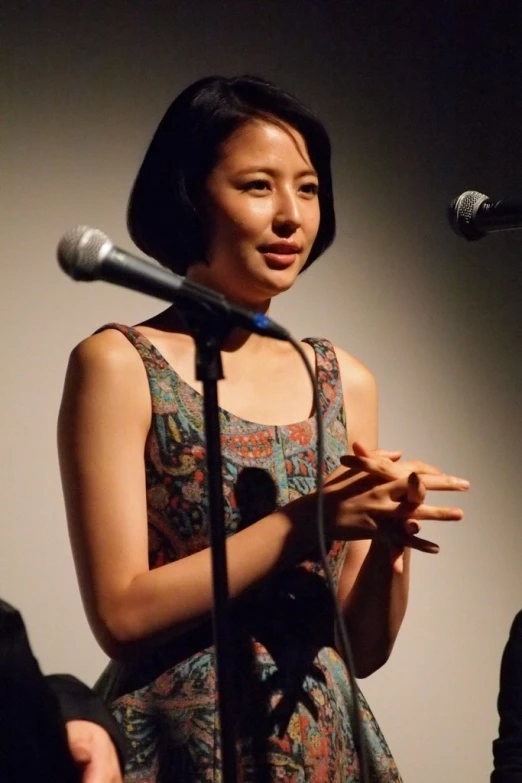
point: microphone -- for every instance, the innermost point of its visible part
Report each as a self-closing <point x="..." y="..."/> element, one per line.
<point x="86" y="253"/>
<point x="473" y="215"/>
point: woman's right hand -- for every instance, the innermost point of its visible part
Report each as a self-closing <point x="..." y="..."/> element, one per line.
<point x="364" y="505"/>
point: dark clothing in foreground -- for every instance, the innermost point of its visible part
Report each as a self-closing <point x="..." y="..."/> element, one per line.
<point x="507" y="749"/>
<point x="34" y="710"/>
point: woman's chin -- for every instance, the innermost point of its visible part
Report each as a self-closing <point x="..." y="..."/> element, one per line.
<point x="253" y="289"/>
<point x="269" y="288"/>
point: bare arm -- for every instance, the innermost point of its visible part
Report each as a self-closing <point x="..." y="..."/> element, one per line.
<point x="103" y="424"/>
<point x="374" y="582"/>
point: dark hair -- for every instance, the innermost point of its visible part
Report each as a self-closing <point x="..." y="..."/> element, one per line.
<point x="163" y="214"/>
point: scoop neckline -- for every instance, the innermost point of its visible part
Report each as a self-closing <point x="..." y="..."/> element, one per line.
<point x="198" y="395"/>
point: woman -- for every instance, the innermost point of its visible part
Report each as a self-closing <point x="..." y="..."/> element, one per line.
<point x="235" y="192"/>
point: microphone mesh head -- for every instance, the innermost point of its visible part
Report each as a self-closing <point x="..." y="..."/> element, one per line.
<point x="462" y="213"/>
<point x="81" y="252"/>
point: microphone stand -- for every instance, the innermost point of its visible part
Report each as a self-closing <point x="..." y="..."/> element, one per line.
<point x="209" y="328"/>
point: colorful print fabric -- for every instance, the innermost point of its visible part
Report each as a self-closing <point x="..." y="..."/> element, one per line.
<point x="292" y="690"/>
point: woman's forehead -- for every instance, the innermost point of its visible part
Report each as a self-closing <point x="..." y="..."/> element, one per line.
<point x="260" y="140"/>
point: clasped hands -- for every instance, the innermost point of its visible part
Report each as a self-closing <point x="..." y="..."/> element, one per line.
<point x="374" y="495"/>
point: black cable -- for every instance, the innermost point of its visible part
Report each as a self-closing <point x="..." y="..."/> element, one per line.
<point x="346" y="649"/>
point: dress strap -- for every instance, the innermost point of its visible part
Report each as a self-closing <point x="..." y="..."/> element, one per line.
<point x="328" y="376"/>
<point x="149" y="354"/>
<point x="164" y="382"/>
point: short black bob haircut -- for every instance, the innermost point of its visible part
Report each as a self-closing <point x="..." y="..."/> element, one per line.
<point x="163" y="216"/>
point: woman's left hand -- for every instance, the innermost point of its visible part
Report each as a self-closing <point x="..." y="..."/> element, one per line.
<point x="382" y="465"/>
<point x="385" y="464"/>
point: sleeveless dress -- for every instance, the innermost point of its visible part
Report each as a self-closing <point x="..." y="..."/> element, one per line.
<point x="292" y="690"/>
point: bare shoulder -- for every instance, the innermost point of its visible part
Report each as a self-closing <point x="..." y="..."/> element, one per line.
<point x="107" y="362"/>
<point x="107" y="350"/>
<point x="360" y="399"/>
<point x="105" y="373"/>
<point x="355" y="376"/>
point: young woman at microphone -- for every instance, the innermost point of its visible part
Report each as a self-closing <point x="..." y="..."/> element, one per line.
<point x="235" y="192"/>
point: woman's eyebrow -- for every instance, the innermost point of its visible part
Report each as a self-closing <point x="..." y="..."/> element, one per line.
<point x="273" y="172"/>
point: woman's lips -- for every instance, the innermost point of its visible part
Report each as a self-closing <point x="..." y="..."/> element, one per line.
<point x="281" y="256"/>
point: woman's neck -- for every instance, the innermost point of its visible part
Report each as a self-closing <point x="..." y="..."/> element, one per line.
<point x="179" y="319"/>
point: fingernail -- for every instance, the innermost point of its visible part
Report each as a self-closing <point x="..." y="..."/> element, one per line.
<point x="459" y="483"/>
<point x="412" y="528"/>
<point x="413" y="479"/>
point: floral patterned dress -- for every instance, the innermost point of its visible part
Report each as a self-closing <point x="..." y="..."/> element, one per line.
<point x="292" y="690"/>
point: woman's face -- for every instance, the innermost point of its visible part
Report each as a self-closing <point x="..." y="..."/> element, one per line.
<point x="262" y="210"/>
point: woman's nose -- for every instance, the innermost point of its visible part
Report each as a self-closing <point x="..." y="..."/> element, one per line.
<point x="287" y="214"/>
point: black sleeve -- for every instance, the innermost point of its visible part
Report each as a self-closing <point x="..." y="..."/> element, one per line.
<point x="34" y="709"/>
<point x="78" y="702"/>
<point x="33" y="740"/>
<point x="507" y="749"/>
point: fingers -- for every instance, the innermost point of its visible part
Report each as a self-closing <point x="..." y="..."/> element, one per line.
<point x="416" y="490"/>
<point x="102" y="774"/>
<point x="392" y="533"/>
<point x="402" y="489"/>
<point x="409" y="500"/>
<point x="411" y="527"/>
<point x="80" y="753"/>
<point x="378" y="463"/>
<point x="421" y="544"/>
<point x="444" y="482"/>
<point x="93" y="751"/>
<point x="404" y="498"/>
<point x="436" y="513"/>
<point x="360" y="451"/>
<point x="382" y="467"/>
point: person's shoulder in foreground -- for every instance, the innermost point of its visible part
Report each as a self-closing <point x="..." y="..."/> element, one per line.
<point x="507" y="749"/>
<point x="53" y="723"/>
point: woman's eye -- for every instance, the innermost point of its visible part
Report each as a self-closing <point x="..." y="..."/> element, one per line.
<point x="311" y="188"/>
<point x="257" y="184"/>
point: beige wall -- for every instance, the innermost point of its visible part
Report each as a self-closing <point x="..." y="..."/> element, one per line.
<point x="415" y="118"/>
